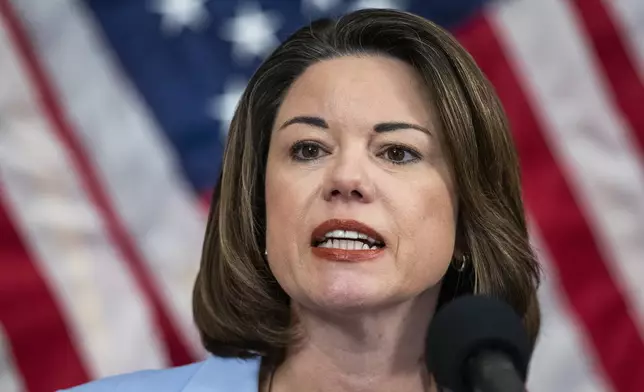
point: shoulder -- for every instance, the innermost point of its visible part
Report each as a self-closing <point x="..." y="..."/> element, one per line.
<point x="213" y="375"/>
<point x="173" y="379"/>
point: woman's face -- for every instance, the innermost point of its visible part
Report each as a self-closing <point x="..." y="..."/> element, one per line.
<point x="356" y="156"/>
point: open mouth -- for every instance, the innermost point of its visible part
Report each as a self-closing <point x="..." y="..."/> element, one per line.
<point x="346" y="235"/>
<point x="348" y="240"/>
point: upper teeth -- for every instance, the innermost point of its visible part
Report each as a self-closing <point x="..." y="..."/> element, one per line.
<point x="349" y="234"/>
<point x="343" y="239"/>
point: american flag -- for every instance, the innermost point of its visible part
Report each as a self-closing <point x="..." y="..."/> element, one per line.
<point x="113" y="118"/>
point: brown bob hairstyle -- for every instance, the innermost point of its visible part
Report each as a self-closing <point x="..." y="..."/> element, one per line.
<point x="239" y="308"/>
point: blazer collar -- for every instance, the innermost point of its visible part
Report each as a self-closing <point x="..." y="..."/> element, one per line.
<point x="225" y="375"/>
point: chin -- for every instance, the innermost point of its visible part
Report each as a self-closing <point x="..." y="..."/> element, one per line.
<point x="348" y="296"/>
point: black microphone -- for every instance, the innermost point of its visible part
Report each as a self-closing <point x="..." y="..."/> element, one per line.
<point x="478" y="344"/>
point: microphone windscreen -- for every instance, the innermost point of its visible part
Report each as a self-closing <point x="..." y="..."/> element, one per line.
<point x="467" y="325"/>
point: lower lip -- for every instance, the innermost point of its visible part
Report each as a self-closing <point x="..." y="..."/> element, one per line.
<point x="347" y="255"/>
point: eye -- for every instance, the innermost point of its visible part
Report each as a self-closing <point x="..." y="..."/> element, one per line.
<point x="400" y="155"/>
<point x="307" y="151"/>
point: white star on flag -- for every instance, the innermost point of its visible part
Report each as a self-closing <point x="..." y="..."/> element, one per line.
<point x="319" y="6"/>
<point x="252" y="32"/>
<point x="222" y="107"/>
<point x="177" y="15"/>
<point x="392" y="4"/>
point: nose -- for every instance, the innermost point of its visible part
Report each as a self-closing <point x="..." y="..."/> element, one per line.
<point x="348" y="180"/>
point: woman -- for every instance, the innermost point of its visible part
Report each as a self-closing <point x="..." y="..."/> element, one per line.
<point x="368" y="179"/>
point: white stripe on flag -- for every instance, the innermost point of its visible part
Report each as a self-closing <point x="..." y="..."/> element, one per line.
<point x="130" y="155"/>
<point x="591" y="142"/>
<point x="103" y="306"/>
<point x="629" y="18"/>
<point x="561" y="360"/>
<point x="10" y="380"/>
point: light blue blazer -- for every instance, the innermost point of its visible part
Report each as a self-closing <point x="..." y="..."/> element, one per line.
<point x="211" y="375"/>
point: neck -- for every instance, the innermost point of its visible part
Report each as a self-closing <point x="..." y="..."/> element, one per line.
<point x="379" y="350"/>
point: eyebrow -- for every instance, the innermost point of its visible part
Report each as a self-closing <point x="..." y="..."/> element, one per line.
<point x="378" y="128"/>
<point x="395" y="126"/>
<point x="308" y="120"/>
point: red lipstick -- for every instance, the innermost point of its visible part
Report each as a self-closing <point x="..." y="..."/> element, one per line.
<point x="334" y="254"/>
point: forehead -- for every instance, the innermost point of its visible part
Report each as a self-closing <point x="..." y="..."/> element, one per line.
<point x="371" y="88"/>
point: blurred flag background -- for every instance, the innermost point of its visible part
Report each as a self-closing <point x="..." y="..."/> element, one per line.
<point x="113" y="118"/>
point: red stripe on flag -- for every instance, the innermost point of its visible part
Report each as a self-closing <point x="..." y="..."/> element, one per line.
<point x="626" y="87"/>
<point x="177" y="351"/>
<point x="42" y="348"/>
<point x="205" y="201"/>
<point x="593" y="295"/>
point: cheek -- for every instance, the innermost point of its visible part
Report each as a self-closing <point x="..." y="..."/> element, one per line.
<point x="427" y="225"/>
<point x="286" y="204"/>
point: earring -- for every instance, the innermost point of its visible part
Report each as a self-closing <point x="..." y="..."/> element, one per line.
<point x="460" y="268"/>
<point x="265" y="252"/>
